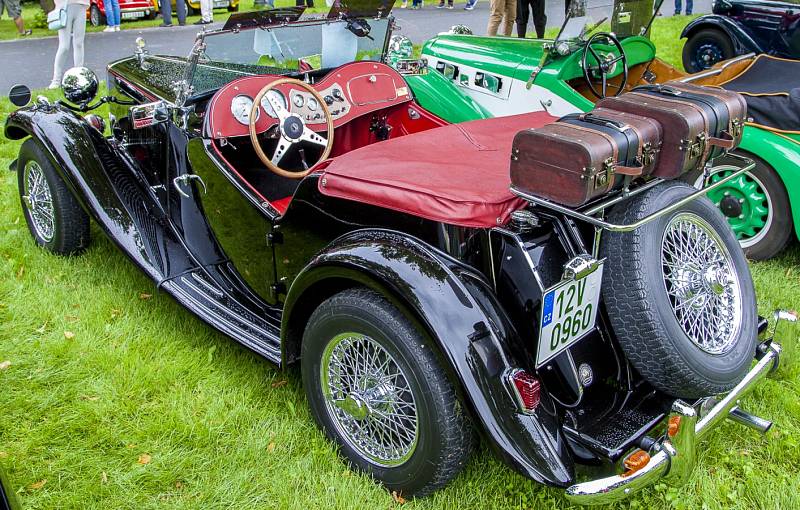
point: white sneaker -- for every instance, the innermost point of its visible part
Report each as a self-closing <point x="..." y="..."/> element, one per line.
<point x="55" y="84"/>
<point x="116" y="28"/>
<point x="108" y="29"/>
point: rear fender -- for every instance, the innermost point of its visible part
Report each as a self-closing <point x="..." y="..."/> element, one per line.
<point x="742" y="42"/>
<point x="783" y="155"/>
<point x="466" y="324"/>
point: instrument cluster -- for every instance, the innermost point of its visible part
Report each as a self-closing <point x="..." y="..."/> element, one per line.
<point x="300" y="102"/>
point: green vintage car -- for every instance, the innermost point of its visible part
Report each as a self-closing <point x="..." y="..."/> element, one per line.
<point x="497" y="76"/>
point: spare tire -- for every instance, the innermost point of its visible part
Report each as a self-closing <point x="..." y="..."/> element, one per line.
<point x="679" y="294"/>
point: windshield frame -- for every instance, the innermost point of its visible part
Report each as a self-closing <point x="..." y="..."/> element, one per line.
<point x="184" y="89"/>
<point x="574" y="10"/>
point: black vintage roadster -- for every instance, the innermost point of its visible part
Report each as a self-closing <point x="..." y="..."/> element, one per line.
<point x="282" y="184"/>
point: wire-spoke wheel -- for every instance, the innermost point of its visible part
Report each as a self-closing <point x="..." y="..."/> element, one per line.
<point x="55" y="219"/>
<point x="376" y="388"/>
<point x="701" y="283"/>
<point x="679" y="294"/>
<point x="370" y="399"/>
<point x="36" y="196"/>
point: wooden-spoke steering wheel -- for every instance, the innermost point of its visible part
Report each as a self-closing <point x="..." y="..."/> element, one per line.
<point x="604" y="66"/>
<point x="291" y="128"/>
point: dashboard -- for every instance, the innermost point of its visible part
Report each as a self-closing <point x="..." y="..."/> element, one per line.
<point x="349" y="92"/>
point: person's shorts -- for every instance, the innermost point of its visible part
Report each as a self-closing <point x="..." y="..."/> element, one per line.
<point x="11" y="7"/>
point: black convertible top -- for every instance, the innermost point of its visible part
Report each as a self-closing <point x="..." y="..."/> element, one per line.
<point x="771" y="87"/>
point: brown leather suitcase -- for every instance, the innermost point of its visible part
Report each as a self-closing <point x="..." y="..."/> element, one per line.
<point x="570" y="163"/>
<point x="685" y="126"/>
<point x="647" y="130"/>
<point x="734" y="102"/>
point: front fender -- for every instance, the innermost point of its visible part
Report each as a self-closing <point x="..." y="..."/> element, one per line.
<point x="466" y="324"/>
<point x="101" y="182"/>
<point x="742" y="42"/>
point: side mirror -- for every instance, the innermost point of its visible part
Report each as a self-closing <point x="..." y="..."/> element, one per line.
<point x="79" y="85"/>
<point x="19" y="95"/>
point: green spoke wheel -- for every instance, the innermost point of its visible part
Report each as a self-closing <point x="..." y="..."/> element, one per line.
<point x="756" y="207"/>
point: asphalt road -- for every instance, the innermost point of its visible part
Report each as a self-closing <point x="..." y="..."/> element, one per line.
<point x="30" y="61"/>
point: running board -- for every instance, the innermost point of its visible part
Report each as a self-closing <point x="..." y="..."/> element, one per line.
<point x="218" y="308"/>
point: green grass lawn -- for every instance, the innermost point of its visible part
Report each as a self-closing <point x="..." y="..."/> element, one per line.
<point x="116" y="397"/>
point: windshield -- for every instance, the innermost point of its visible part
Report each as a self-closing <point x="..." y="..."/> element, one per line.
<point x="306" y="45"/>
<point x="622" y="17"/>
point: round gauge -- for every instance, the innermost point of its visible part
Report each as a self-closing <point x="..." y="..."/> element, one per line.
<point x="312" y="104"/>
<point x="275" y="95"/>
<point x="240" y="108"/>
<point x="298" y="100"/>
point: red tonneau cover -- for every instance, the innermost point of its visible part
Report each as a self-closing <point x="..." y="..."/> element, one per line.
<point x="456" y="174"/>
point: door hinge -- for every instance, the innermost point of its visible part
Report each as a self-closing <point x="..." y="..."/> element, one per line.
<point x="276" y="289"/>
<point x="274" y="238"/>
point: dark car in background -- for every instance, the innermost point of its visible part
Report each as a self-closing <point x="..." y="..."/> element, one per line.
<point x="738" y="27"/>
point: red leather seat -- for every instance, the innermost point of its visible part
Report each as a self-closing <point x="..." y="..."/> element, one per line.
<point x="457" y="174"/>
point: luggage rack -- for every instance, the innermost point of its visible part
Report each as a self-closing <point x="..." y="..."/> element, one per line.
<point x="592" y="213"/>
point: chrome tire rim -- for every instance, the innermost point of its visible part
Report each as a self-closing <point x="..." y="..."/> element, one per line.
<point x="39" y="201"/>
<point x="369" y="399"/>
<point x="701" y="283"/>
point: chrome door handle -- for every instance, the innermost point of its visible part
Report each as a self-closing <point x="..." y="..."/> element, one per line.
<point x="183" y="180"/>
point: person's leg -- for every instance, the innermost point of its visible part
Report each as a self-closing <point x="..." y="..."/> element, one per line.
<point x="61" y="56"/>
<point x="495" y="16"/>
<point x="539" y="17"/>
<point x="509" y="15"/>
<point x="76" y="20"/>
<point x="207" y="11"/>
<point x="117" y="13"/>
<point x="677" y="7"/>
<point x="567" y="5"/>
<point x="166" y="12"/>
<point x="522" y="18"/>
<point x="689" y="6"/>
<point x="181" y="8"/>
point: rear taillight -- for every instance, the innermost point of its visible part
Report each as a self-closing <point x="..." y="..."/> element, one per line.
<point x="526" y="388"/>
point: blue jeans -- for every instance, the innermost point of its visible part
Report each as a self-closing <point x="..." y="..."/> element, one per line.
<point x="166" y="11"/>
<point x="112" y="12"/>
<point x="689" y="6"/>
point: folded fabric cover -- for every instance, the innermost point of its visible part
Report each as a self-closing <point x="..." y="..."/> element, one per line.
<point x="456" y="174"/>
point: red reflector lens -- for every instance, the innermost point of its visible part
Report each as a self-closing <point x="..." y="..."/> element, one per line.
<point x="527" y="390"/>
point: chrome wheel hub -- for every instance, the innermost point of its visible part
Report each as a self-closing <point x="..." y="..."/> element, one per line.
<point x="369" y="399"/>
<point x="701" y="282"/>
<point x="39" y="201"/>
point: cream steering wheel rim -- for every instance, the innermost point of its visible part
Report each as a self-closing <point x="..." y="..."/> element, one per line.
<point x="284" y="140"/>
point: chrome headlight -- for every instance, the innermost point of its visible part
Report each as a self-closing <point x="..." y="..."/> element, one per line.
<point x="241" y="106"/>
<point x="562" y="48"/>
<point x="460" y="30"/>
<point x="400" y="46"/>
<point x="79" y="85"/>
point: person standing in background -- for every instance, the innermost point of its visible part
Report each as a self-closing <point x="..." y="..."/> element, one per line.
<point x="14" y="11"/>
<point x="308" y="3"/>
<point x="166" y="12"/>
<point x="526" y="7"/>
<point x="502" y="11"/>
<point x="567" y="4"/>
<point x="206" y="12"/>
<point x="74" y="30"/>
<point x="689" y="6"/>
<point x="112" y="15"/>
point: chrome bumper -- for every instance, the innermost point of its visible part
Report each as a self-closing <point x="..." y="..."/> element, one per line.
<point x="675" y="455"/>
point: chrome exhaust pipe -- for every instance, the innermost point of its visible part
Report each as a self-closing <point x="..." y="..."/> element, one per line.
<point x="749" y="420"/>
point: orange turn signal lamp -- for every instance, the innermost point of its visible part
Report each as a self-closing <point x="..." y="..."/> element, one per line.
<point x="635" y="461"/>
<point x="673" y="425"/>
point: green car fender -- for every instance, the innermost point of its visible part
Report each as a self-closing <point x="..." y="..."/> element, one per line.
<point x="441" y="97"/>
<point x="782" y="153"/>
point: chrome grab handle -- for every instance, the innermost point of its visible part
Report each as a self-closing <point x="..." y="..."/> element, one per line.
<point x="183" y="180"/>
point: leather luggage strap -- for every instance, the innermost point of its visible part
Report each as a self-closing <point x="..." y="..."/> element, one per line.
<point x="620" y="169"/>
